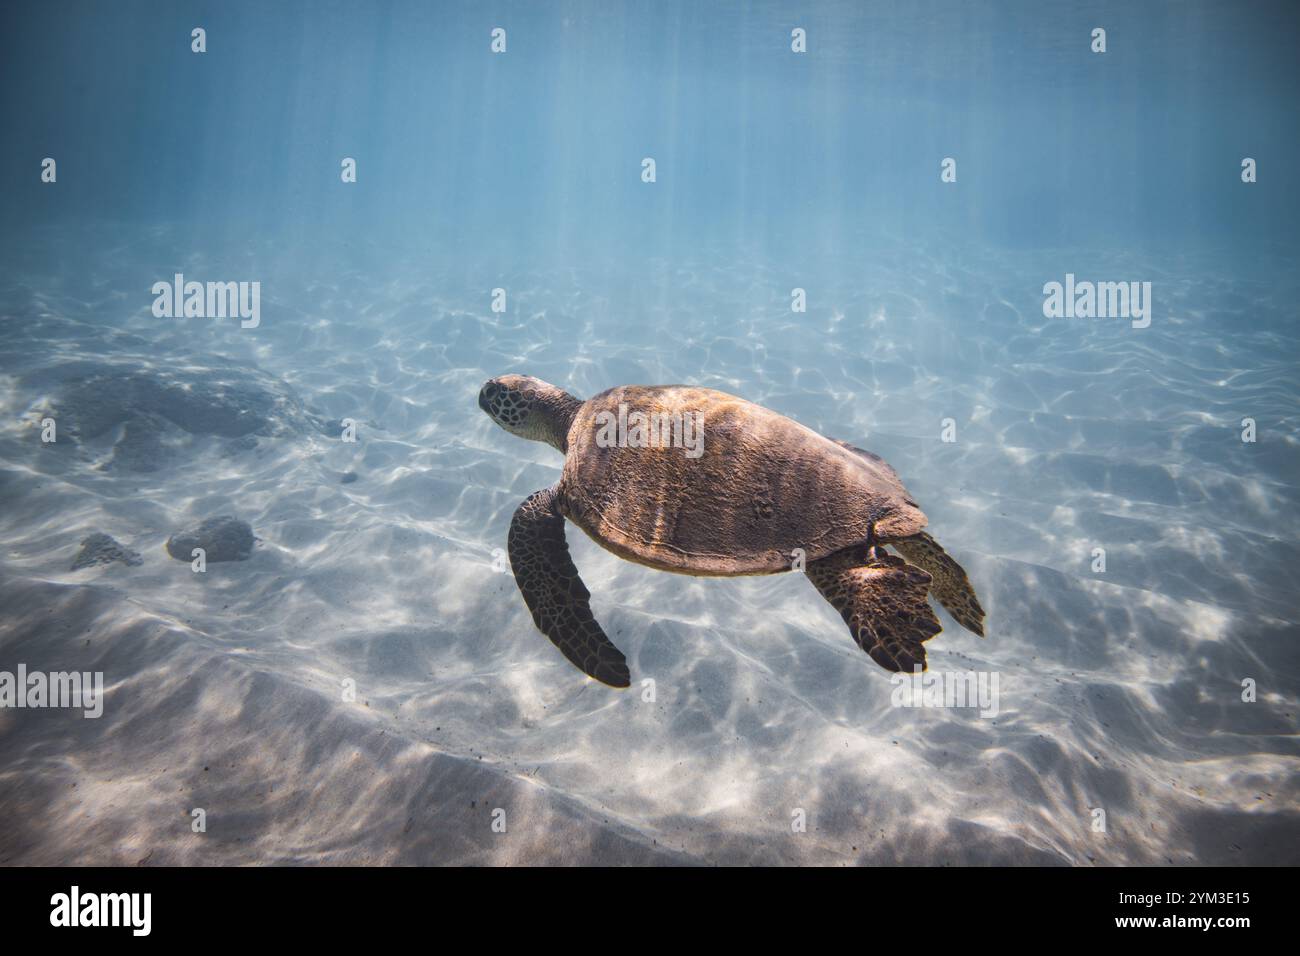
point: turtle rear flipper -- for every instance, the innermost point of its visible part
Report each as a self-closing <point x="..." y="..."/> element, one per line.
<point x="950" y="586"/>
<point x="556" y="596"/>
<point x="882" y="600"/>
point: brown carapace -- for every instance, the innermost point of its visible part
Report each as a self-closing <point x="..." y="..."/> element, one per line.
<point x="696" y="481"/>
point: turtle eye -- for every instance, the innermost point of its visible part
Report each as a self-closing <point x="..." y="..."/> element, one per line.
<point x="486" y="400"/>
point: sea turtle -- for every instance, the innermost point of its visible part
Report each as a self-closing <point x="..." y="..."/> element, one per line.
<point x="700" y="482"/>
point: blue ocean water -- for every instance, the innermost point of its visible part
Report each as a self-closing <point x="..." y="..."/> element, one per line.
<point x="518" y="179"/>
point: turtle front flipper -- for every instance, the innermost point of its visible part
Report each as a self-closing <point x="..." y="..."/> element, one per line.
<point x="950" y="586"/>
<point x="555" y="594"/>
<point x="882" y="600"/>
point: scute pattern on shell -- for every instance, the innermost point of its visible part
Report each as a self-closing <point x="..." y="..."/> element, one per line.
<point x="764" y="486"/>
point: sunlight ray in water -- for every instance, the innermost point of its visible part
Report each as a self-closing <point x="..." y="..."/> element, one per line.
<point x="349" y="667"/>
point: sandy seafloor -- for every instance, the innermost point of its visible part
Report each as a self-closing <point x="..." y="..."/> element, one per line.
<point x="1119" y="690"/>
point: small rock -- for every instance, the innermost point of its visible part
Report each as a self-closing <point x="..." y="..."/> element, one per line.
<point x="99" y="548"/>
<point x="223" y="538"/>
<point x="348" y="478"/>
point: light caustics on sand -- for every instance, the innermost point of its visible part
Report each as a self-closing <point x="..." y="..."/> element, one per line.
<point x="1118" y="689"/>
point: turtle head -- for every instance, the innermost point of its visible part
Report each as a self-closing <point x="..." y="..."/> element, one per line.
<point x="530" y="408"/>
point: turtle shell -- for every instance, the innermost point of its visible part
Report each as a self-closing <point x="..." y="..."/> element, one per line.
<point x="761" y="485"/>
